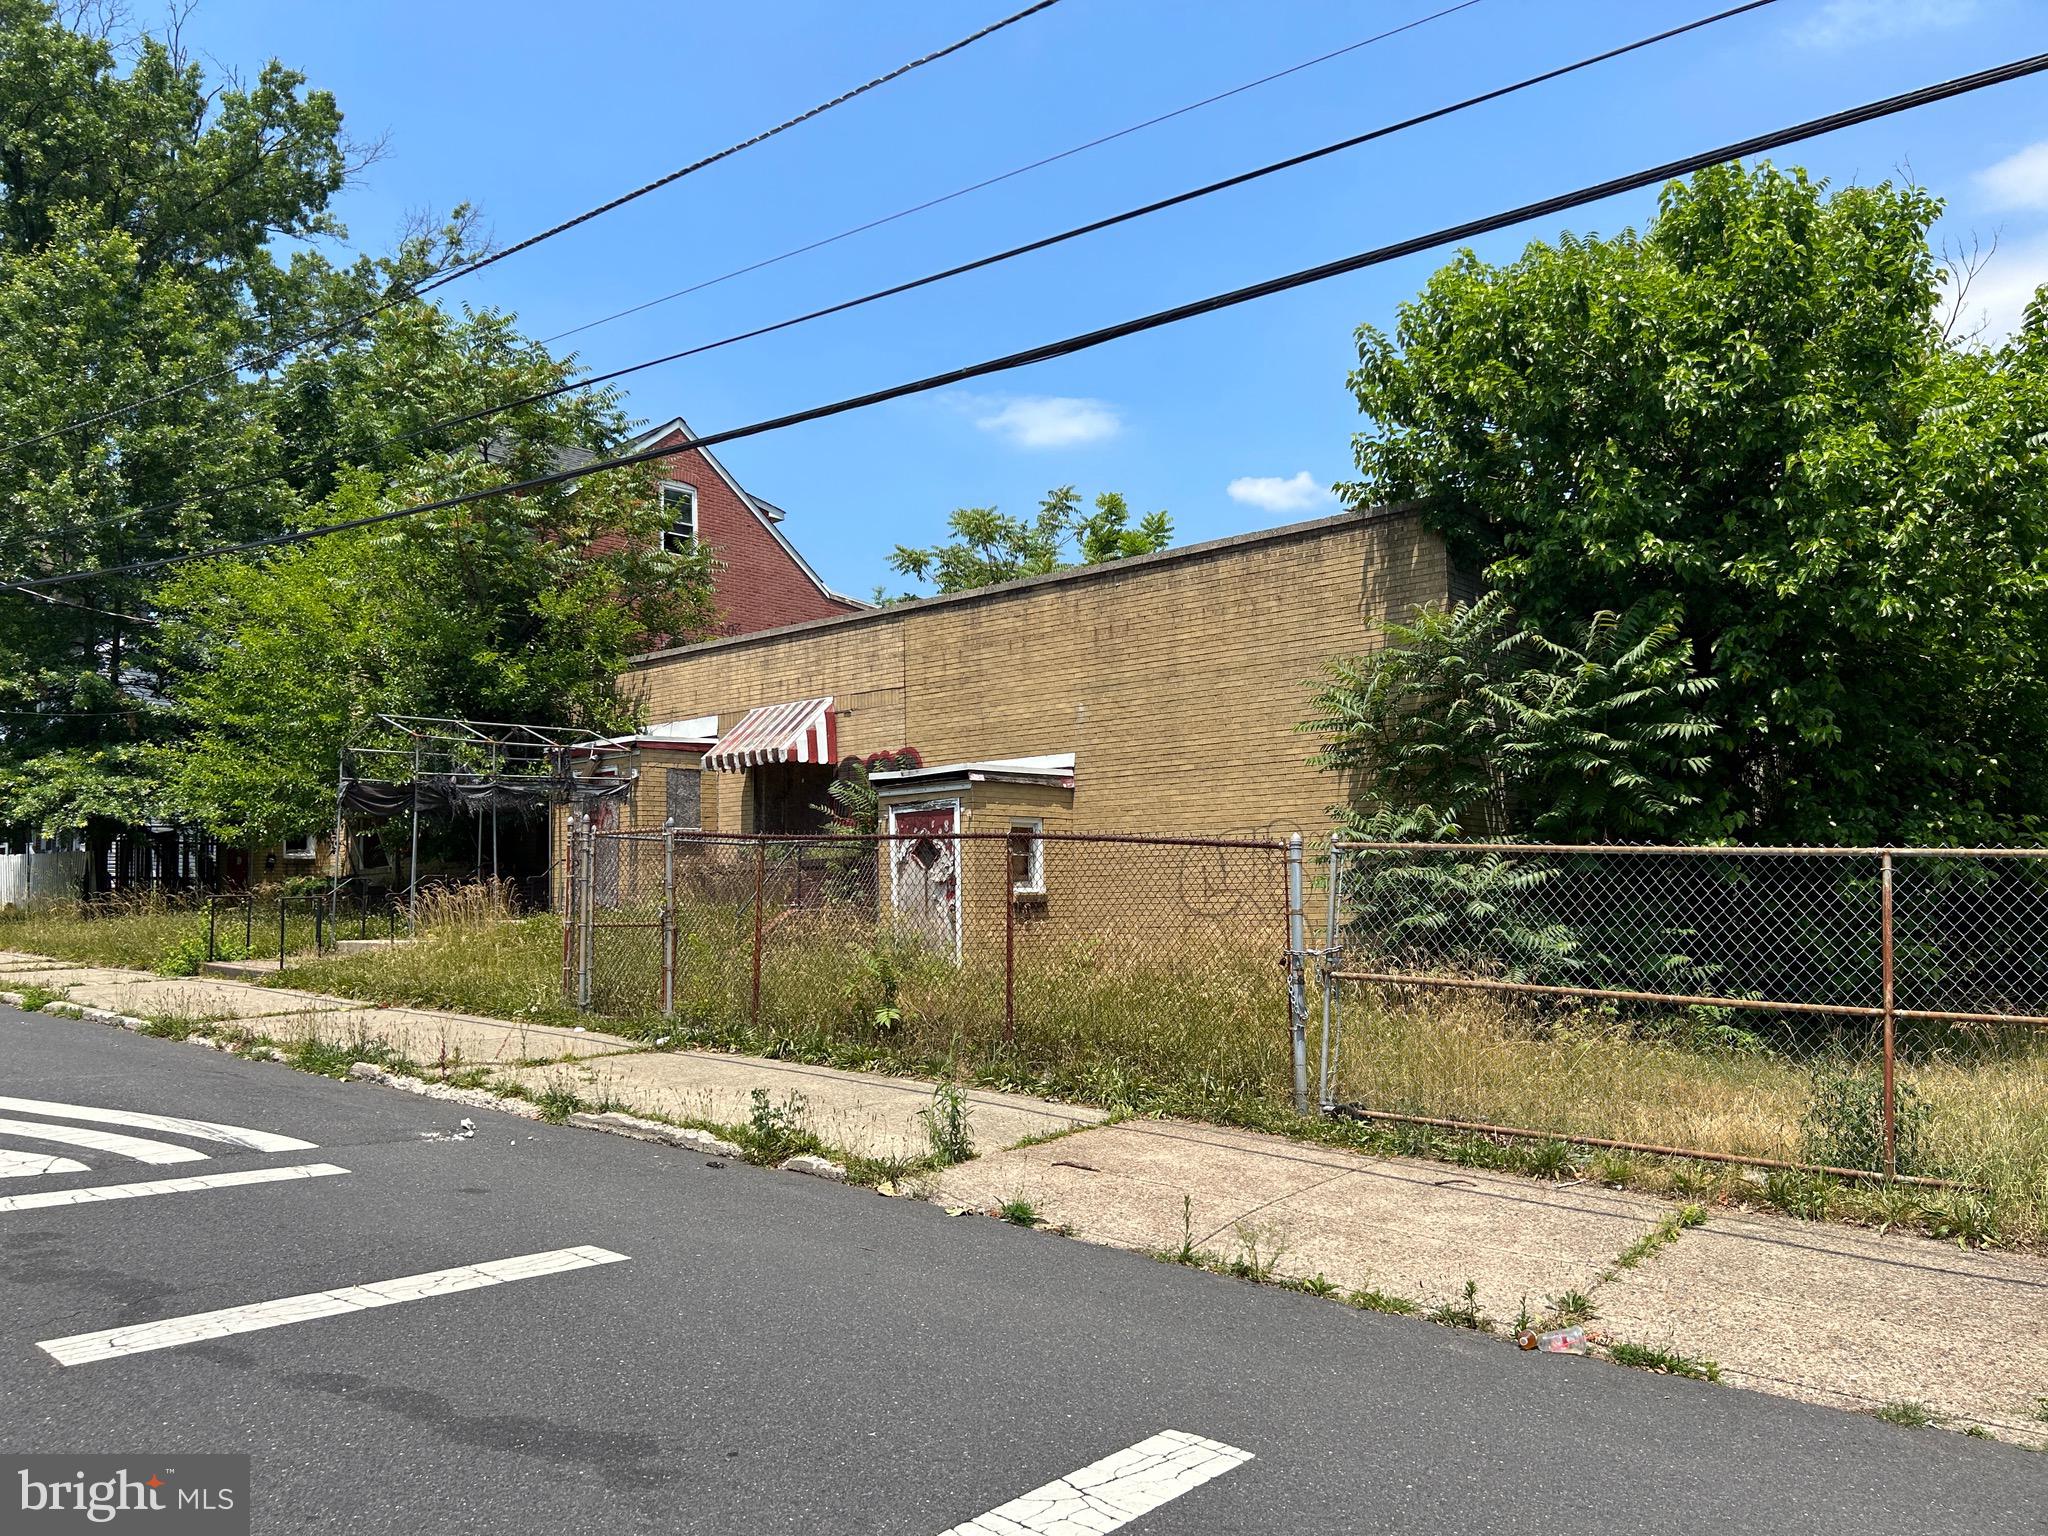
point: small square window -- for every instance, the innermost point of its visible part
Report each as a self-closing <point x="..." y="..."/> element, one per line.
<point x="305" y="846"/>
<point x="678" y="517"/>
<point x="1027" y="858"/>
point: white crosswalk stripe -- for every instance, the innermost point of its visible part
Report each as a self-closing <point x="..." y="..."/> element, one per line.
<point x="140" y="1148"/>
<point x="135" y="1339"/>
<point x="171" y="1125"/>
<point x="1112" y="1492"/>
<point x="91" y="1194"/>
<point x="23" y="1165"/>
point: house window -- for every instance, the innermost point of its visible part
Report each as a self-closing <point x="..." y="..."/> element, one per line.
<point x="304" y="846"/>
<point x="1027" y="858"/>
<point x="678" y="517"/>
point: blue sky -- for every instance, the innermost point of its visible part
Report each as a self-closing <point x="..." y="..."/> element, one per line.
<point x="533" y="111"/>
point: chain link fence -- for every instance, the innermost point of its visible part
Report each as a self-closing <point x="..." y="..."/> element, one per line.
<point x="1869" y="1011"/>
<point x="1096" y="962"/>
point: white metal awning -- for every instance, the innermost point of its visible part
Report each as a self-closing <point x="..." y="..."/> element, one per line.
<point x="802" y="731"/>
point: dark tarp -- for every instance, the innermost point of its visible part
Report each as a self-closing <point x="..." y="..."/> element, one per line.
<point x="471" y="794"/>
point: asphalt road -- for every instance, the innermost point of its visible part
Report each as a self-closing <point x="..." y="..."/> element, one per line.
<point x="778" y="1353"/>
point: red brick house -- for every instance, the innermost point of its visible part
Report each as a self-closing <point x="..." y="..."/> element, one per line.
<point x="763" y="582"/>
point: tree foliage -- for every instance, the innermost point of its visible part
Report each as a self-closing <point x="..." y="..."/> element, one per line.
<point x="519" y="608"/>
<point x="163" y="236"/>
<point x="989" y="546"/>
<point x="138" y="211"/>
<point x="1469" y="723"/>
<point x="1749" y="419"/>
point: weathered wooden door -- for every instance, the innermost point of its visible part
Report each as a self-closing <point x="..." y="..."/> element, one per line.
<point x="924" y="873"/>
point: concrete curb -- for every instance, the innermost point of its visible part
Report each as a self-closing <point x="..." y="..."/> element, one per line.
<point x="618" y="1123"/>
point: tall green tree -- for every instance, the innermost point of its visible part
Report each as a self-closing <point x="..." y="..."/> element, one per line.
<point x="1750" y="417"/>
<point x="989" y="546"/>
<point x="145" y="214"/>
<point x="514" y="608"/>
<point x="140" y="212"/>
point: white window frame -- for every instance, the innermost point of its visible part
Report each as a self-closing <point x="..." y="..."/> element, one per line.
<point x="1035" y="826"/>
<point x="303" y="846"/>
<point x="668" y="524"/>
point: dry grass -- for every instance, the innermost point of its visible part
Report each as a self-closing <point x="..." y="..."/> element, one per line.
<point x="1477" y="1058"/>
<point x="133" y="932"/>
<point x="1198" y="1034"/>
<point x="505" y="968"/>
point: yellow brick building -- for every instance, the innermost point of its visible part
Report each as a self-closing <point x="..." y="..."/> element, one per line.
<point x="1158" y="694"/>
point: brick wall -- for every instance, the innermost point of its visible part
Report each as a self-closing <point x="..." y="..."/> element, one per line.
<point x="759" y="585"/>
<point x="1177" y="679"/>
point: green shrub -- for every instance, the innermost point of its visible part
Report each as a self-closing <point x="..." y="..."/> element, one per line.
<point x="945" y="1124"/>
<point x="1844" y="1122"/>
<point x="778" y="1131"/>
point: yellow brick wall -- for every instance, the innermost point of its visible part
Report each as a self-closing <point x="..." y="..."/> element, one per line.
<point x="1177" y="681"/>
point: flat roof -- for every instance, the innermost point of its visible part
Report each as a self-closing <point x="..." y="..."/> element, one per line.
<point x="1006" y="589"/>
<point x="1049" y="766"/>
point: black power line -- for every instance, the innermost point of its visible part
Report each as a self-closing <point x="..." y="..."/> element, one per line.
<point x="1387" y="130"/>
<point x="405" y="294"/>
<point x="1562" y="202"/>
<point x="1021" y="170"/>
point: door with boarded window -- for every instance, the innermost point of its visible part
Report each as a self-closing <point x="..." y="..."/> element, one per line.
<point x="924" y="873"/>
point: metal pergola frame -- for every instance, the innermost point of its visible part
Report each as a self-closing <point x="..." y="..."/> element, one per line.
<point x="441" y="747"/>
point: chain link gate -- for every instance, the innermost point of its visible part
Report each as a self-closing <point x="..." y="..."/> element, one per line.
<point x="1847" y="1011"/>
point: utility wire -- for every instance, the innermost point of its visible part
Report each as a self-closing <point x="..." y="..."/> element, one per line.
<point x="1833" y="122"/>
<point x="105" y="613"/>
<point x="990" y="181"/>
<point x="1112" y="220"/>
<point x="405" y="294"/>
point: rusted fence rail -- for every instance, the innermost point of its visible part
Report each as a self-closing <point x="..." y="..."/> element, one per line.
<point x="1851" y="1010"/>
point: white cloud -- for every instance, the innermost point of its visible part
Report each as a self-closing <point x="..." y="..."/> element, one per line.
<point x="1046" y="421"/>
<point x="2002" y="290"/>
<point x="1272" y="493"/>
<point x="1844" y="23"/>
<point x="2019" y="180"/>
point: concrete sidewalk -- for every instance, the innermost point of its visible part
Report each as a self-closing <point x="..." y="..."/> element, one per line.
<point x="860" y="1113"/>
<point x="1832" y="1314"/>
<point x="1828" y="1313"/>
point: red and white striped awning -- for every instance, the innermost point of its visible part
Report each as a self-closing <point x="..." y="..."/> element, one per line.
<point x="805" y="731"/>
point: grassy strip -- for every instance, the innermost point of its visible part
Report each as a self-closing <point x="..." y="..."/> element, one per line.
<point x="1657" y="1239"/>
<point x="1202" y="1037"/>
<point x="1207" y="1042"/>
<point x="1663" y="1361"/>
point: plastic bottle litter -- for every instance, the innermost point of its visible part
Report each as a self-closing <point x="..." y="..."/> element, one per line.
<point x="1559" y="1341"/>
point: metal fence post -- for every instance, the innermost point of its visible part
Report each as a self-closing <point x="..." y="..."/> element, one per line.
<point x="284" y="908"/>
<point x="586" y="902"/>
<point x="569" y="912"/>
<point x="760" y="878"/>
<point x="1009" y="885"/>
<point x="249" y="928"/>
<point x="1333" y="873"/>
<point x="1891" y="1083"/>
<point x="1297" y="958"/>
<point x="668" y="920"/>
